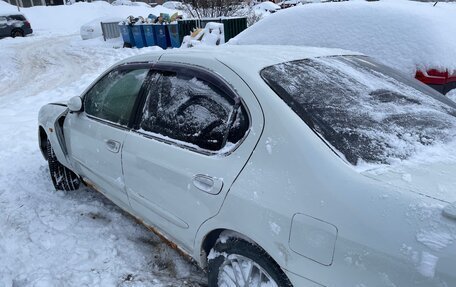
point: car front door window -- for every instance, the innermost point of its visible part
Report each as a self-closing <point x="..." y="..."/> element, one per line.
<point x="113" y="97"/>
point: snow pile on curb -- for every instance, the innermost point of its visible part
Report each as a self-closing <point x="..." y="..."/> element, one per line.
<point x="68" y="19"/>
<point x="385" y="30"/>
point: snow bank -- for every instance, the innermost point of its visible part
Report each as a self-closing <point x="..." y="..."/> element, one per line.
<point x="6" y="8"/>
<point x="403" y="34"/>
<point x="68" y="19"/>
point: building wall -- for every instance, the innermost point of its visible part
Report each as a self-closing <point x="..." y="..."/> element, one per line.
<point x="27" y="3"/>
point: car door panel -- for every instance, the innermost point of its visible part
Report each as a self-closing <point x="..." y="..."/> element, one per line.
<point x="91" y="155"/>
<point x="95" y="136"/>
<point x="175" y="187"/>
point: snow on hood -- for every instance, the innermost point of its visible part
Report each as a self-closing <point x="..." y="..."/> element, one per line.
<point x="402" y="34"/>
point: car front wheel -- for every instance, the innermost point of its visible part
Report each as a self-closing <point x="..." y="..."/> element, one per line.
<point x="236" y="262"/>
<point x="62" y="177"/>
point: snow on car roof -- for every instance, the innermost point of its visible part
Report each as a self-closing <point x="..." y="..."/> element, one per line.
<point x="250" y="57"/>
<point x="403" y="34"/>
<point x="267" y="6"/>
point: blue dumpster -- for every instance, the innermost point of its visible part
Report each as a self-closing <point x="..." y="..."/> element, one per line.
<point x="127" y="35"/>
<point x="138" y="35"/>
<point x="173" y="32"/>
<point x="161" y="38"/>
<point x="149" y="35"/>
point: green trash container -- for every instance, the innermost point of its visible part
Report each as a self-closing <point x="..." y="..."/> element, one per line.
<point x="233" y="26"/>
<point x="202" y="22"/>
<point x="185" y="27"/>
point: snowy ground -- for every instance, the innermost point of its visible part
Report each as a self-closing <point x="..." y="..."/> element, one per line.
<point x="50" y="238"/>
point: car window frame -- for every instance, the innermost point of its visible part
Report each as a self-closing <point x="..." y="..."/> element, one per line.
<point x="208" y="76"/>
<point x="19" y="16"/>
<point x="135" y="111"/>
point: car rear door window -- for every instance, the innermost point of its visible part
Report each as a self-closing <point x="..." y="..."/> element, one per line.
<point x="114" y="96"/>
<point x="194" y="112"/>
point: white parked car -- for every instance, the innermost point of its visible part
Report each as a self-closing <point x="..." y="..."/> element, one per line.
<point x="267" y="7"/>
<point x="92" y="29"/>
<point x="130" y="3"/>
<point x="303" y="167"/>
<point x="173" y="5"/>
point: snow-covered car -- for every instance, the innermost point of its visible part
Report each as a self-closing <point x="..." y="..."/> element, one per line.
<point x="130" y="3"/>
<point x="92" y="29"/>
<point x="173" y="5"/>
<point x="406" y="35"/>
<point x="302" y="167"/>
<point x="14" y="25"/>
<point x="267" y="7"/>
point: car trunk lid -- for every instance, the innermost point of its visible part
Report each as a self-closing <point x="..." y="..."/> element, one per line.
<point x="436" y="180"/>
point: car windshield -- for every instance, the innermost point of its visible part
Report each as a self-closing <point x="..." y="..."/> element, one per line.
<point x="365" y="111"/>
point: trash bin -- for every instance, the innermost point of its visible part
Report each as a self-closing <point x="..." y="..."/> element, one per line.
<point x="161" y="38"/>
<point x="127" y="35"/>
<point x="173" y="32"/>
<point x="233" y="26"/>
<point x="149" y="35"/>
<point x="186" y="27"/>
<point x="138" y="35"/>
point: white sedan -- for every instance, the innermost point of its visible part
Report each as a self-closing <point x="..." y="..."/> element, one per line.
<point x="93" y="29"/>
<point x="304" y="167"/>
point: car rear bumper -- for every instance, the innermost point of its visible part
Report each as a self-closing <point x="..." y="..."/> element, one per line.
<point x="28" y="31"/>
<point x="445" y="88"/>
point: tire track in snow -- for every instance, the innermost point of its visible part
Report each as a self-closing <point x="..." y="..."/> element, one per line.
<point x="44" y="65"/>
<point x="50" y="238"/>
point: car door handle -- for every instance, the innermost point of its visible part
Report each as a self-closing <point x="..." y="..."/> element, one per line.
<point x="112" y="145"/>
<point x="207" y="183"/>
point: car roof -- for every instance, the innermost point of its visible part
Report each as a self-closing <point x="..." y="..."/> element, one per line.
<point x="11" y="14"/>
<point x="248" y="57"/>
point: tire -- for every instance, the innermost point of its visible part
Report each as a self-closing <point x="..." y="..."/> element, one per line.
<point x="62" y="177"/>
<point x="17" y="33"/>
<point x="237" y="252"/>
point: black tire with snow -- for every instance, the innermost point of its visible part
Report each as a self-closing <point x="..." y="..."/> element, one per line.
<point x="236" y="246"/>
<point x="62" y="177"/>
<point x="17" y="33"/>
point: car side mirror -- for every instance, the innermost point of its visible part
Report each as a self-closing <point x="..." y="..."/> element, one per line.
<point x="75" y="104"/>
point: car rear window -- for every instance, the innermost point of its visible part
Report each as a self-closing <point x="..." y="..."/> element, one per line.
<point x="17" y="17"/>
<point x="367" y="112"/>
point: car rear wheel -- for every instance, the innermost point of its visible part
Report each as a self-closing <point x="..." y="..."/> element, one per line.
<point x="17" y="33"/>
<point x="62" y="177"/>
<point x="237" y="262"/>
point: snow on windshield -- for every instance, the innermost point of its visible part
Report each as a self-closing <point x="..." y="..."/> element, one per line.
<point x="366" y="111"/>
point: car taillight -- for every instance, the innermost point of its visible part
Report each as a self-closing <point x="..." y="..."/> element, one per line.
<point x="452" y="77"/>
<point x="27" y="24"/>
<point x="433" y="77"/>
